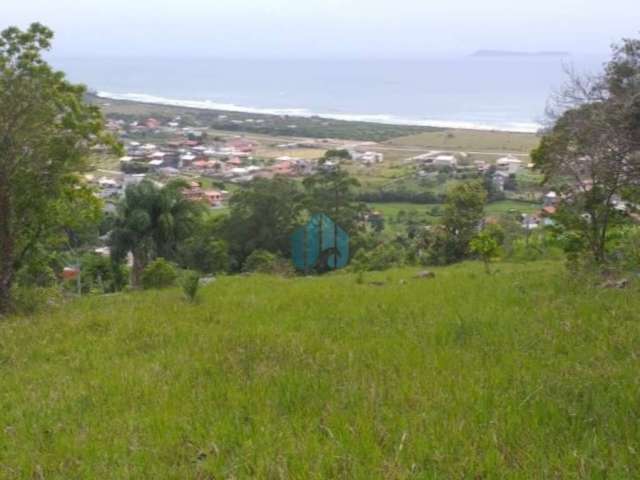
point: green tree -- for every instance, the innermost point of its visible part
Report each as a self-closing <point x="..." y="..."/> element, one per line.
<point x="463" y="213"/>
<point x="158" y="274"/>
<point x="333" y="154"/>
<point x="333" y="192"/>
<point x="486" y="246"/>
<point x="262" y="216"/>
<point x="152" y="222"/>
<point x="46" y="131"/>
<point x="206" y="251"/>
<point x="592" y="150"/>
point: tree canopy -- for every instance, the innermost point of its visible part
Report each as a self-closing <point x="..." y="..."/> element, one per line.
<point x="152" y="221"/>
<point x="46" y="133"/>
<point x="591" y="152"/>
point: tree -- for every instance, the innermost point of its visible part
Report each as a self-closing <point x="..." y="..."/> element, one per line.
<point x="46" y="132"/>
<point x="487" y="246"/>
<point x="463" y="212"/>
<point x="332" y="192"/>
<point x="263" y="216"/>
<point x="152" y="222"/>
<point x="592" y="149"/>
<point x="206" y="251"/>
<point x="341" y="154"/>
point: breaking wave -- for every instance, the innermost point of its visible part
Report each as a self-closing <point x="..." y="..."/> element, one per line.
<point x="524" y="127"/>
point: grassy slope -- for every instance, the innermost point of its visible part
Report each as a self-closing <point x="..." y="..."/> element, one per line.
<point x="465" y="376"/>
<point x="470" y="140"/>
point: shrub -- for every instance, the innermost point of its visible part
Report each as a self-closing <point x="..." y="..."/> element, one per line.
<point x="159" y="274"/>
<point x="102" y="274"/>
<point x="486" y="247"/>
<point x="190" y="283"/>
<point x="31" y="300"/>
<point x="382" y="257"/>
<point x="262" y="261"/>
<point x="625" y="250"/>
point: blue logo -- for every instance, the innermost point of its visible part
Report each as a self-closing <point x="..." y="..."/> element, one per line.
<point x="321" y="245"/>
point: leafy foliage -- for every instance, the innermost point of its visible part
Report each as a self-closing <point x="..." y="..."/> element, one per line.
<point x="262" y="261"/>
<point x="262" y="217"/>
<point x="592" y="151"/>
<point x="159" y="274"/>
<point x="204" y="250"/>
<point x="46" y="132"/>
<point x="486" y="246"/>
<point x="332" y="192"/>
<point x="151" y="222"/>
<point x="382" y="257"/>
<point x="190" y="283"/>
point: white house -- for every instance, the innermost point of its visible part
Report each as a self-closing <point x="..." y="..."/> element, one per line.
<point x="445" y="160"/>
<point x="509" y="164"/>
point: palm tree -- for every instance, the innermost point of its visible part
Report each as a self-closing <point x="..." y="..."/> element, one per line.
<point x="151" y="222"/>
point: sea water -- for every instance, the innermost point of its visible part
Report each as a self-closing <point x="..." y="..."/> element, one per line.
<point x="502" y="93"/>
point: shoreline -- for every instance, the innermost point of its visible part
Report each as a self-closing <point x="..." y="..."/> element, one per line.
<point x="378" y="119"/>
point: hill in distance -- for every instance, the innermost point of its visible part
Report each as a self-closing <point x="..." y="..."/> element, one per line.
<point x="510" y="53"/>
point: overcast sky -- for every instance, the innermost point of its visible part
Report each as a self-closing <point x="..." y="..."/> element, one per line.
<point x="325" y="28"/>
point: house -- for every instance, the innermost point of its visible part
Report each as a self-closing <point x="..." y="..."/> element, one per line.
<point x="444" y="160"/>
<point x="200" y="164"/>
<point x="367" y="158"/>
<point x="243" y="179"/>
<point x="214" y="197"/>
<point x="509" y="164"/>
<point x="499" y="179"/>
<point x="152" y="124"/>
<point x="285" y="167"/>
<point x="234" y="161"/>
<point x="546" y="214"/>
<point x="134" y="179"/>
<point x="550" y="199"/>
<point x="102" y="251"/>
<point x="371" y="158"/>
<point x="108" y="183"/>
<point x="531" y="222"/>
<point x="186" y="160"/>
<point x="193" y="192"/>
<point x="239" y="171"/>
<point x="241" y="145"/>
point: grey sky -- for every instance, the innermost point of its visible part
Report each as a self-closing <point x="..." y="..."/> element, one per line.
<point x="325" y="28"/>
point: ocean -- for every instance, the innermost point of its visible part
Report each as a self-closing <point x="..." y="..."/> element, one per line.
<point x="501" y="93"/>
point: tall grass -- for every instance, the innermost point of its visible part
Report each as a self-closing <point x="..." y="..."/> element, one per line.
<point x="521" y="374"/>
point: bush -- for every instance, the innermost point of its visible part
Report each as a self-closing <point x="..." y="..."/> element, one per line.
<point x="190" y="283"/>
<point x="31" y="300"/>
<point x="102" y="274"/>
<point x="382" y="257"/>
<point x="207" y="255"/>
<point x="262" y="261"/>
<point x="625" y="249"/>
<point x="159" y="274"/>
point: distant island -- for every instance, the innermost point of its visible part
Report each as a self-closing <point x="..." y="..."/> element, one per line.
<point x="510" y="53"/>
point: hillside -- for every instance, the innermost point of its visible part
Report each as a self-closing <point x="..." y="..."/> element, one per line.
<point x="523" y="374"/>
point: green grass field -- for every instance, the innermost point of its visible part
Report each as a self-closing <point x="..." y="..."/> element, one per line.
<point x="509" y="206"/>
<point x="470" y="140"/>
<point x="522" y="374"/>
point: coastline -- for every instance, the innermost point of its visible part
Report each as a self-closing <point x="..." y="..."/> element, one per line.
<point x="380" y="119"/>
